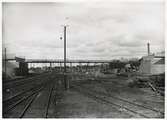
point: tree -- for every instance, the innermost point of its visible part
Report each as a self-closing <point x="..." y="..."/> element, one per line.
<point x="116" y="64"/>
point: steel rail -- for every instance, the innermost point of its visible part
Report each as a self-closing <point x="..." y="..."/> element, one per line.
<point x="19" y="83"/>
<point x="28" y="105"/>
<point x="106" y="101"/>
<point x="21" y="93"/>
<point x="24" y="79"/>
<point x="48" y="103"/>
<point x="103" y="82"/>
<point x="30" y="82"/>
<point x="21" y="100"/>
<point x="130" y="102"/>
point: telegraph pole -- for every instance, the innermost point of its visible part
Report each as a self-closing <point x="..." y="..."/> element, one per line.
<point x="64" y="49"/>
<point x="66" y="81"/>
<point x="148" y="48"/>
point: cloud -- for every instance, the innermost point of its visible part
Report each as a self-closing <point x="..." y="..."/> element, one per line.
<point x="128" y="41"/>
<point x="98" y="30"/>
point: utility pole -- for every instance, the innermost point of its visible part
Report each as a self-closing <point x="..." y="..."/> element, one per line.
<point x="148" y="48"/>
<point x="66" y="81"/>
<point x="64" y="49"/>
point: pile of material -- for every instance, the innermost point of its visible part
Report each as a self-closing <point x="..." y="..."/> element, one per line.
<point x="155" y="82"/>
<point x="158" y="80"/>
<point x="140" y="82"/>
<point x="158" y="83"/>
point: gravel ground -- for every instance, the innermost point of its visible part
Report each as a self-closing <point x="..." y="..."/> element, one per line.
<point x="76" y="105"/>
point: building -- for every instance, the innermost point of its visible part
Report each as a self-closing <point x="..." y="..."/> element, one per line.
<point x="152" y="64"/>
<point x="14" y="66"/>
<point x="10" y="69"/>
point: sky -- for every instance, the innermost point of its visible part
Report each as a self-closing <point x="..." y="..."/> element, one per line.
<point x="96" y="30"/>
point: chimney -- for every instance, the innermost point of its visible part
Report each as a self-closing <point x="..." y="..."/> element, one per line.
<point x="148" y="48"/>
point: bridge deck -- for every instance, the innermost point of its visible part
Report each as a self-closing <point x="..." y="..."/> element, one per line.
<point x="68" y="61"/>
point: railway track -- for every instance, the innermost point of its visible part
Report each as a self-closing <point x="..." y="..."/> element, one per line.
<point x="131" y="107"/>
<point x="24" y="78"/>
<point x="49" y="90"/>
<point x="130" y="102"/>
<point x="20" y="82"/>
<point x="22" y="93"/>
<point x="14" y="104"/>
<point x="104" y="84"/>
<point x="16" y="90"/>
<point x="26" y="98"/>
<point x="48" y="101"/>
<point x="18" y="87"/>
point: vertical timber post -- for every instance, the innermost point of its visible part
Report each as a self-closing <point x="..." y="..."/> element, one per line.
<point x="60" y="67"/>
<point x="50" y="66"/>
<point x="5" y="64"/>
<point x="71" y="66"/>
<point x="148" y="48"/>
<point x="87" y="67"/>
<point x="66" y="82"/>
<point x="79" y="67"/>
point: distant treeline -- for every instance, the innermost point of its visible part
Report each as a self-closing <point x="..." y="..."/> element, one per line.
<point x="121" y="64"/>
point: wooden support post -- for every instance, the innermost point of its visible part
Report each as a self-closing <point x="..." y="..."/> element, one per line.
<point x="79" y="67"/>
<point x="87" y="66"/>
<point x="71" y="67"/>
<point x="66" y="81"/>
<point x="50" y="66"/>
<point x="5" y="65"/>
<point x="60" y="67"/>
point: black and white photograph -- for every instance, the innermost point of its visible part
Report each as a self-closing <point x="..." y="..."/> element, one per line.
<point x="85" y="59"/>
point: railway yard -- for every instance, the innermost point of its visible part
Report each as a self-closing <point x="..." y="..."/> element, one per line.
<point x="63" y="60"/>
<point x="107" y="96"/>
